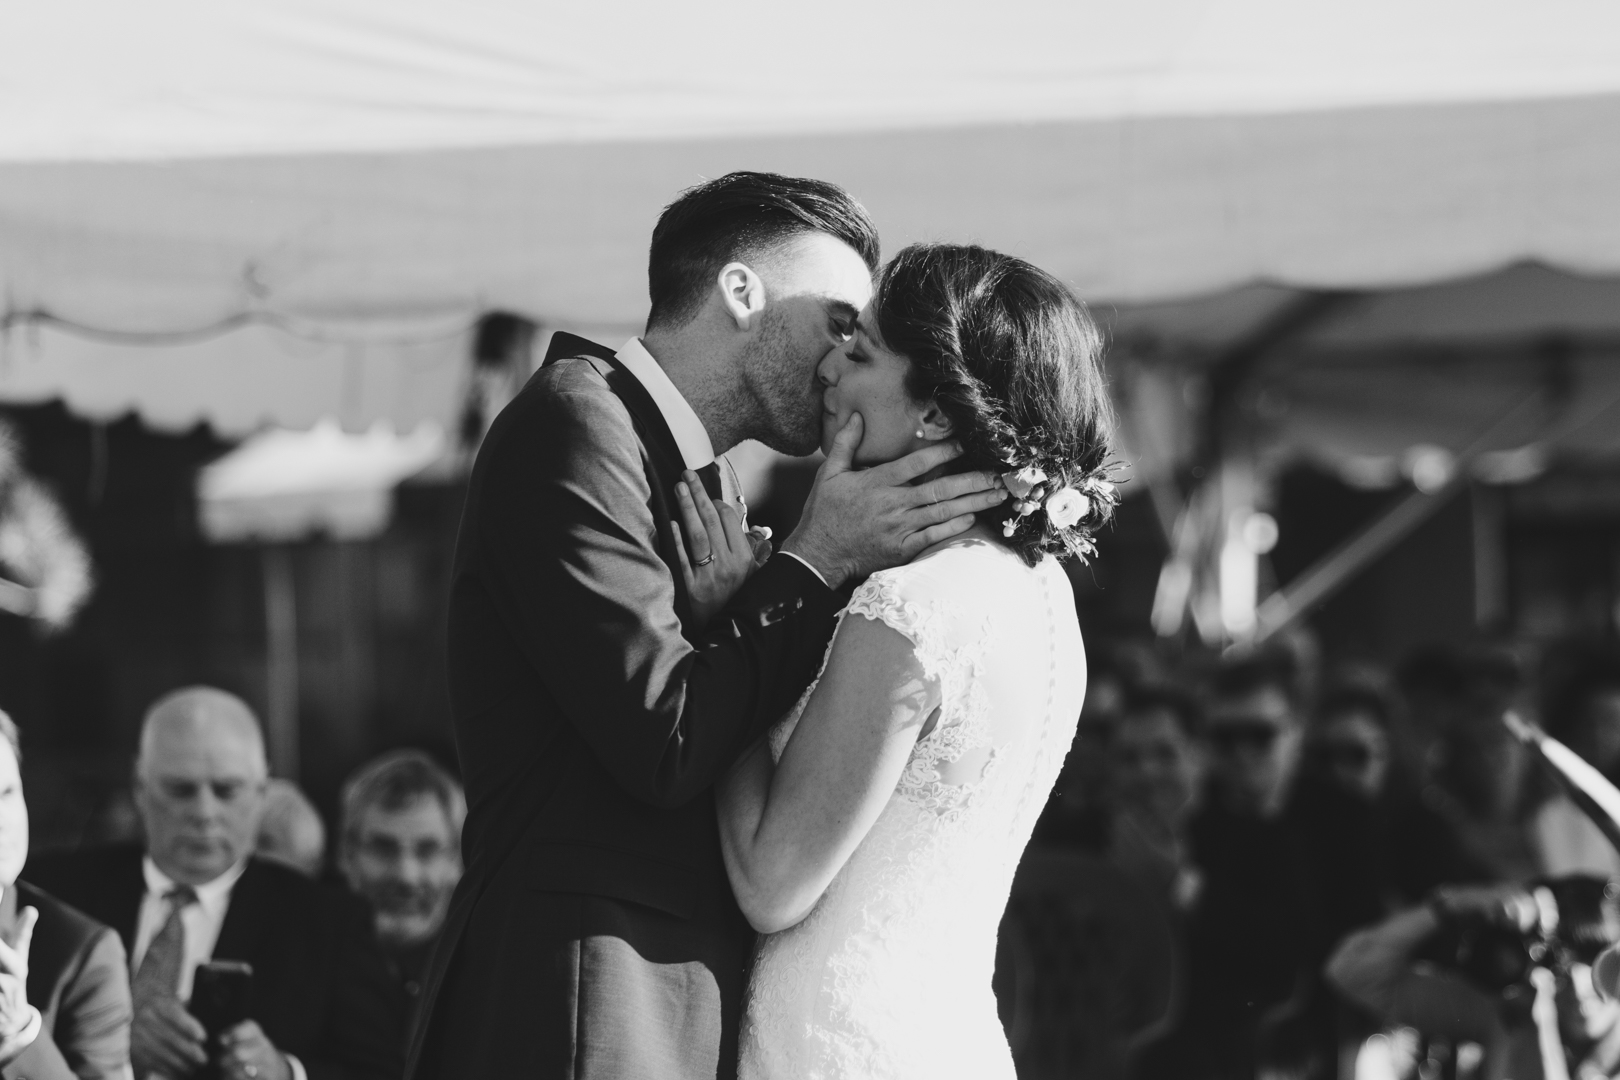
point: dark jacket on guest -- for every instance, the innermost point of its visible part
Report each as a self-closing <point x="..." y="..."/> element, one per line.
<point x="78" y="979"/>
<point x="321" y="990"/>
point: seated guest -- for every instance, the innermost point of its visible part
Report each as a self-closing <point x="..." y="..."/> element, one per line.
<point x="291" y="832"/>
<point x="64" y="987"/>
<point x="322" y="1004"/>
<point x="400" y="847"/>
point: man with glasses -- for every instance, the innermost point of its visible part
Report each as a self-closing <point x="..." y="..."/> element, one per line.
<point x="1257" y="931"/>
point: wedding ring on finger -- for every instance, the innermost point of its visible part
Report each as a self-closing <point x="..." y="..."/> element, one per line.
<point x="706" y="560"/>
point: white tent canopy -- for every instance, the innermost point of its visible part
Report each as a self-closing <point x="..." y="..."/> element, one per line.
<point x="357" y="179"/>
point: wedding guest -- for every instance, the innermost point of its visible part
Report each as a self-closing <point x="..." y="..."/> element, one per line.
<point x="291" y="832"/>
<point x="322" y="1004"/>
<point x="64" y="988"/>
<point x="1286" y="869"/>
<point x="1479" y="780"/>
<point x="1350" y="742"/>
<point x="1158" y="773"/>
<point x="399" y="847"/>
<point x="1079" y="812"/>
<point x="1249" y="933"/>
<point x="1353" y="750"/>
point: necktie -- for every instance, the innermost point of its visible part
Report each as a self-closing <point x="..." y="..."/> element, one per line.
<point x="710" y="475"/>
<point x="159" y="973"/>
<point x="722" y="487"/>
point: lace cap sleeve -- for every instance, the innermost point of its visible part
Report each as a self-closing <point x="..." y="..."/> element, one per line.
<point x="900" y="598"/>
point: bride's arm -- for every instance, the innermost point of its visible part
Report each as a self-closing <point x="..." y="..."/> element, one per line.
<point x="787" y="829"/>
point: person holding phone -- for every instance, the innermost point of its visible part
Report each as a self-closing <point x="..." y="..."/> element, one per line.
<point x="64" y="991"/>
<point x="321" y="1005"/>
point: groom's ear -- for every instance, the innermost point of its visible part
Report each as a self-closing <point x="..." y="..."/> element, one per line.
<point x="742" y="293"/>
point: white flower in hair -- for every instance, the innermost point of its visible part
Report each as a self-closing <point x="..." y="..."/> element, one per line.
<point x="1022" y="482"/>
<point x="1065" y="508"/>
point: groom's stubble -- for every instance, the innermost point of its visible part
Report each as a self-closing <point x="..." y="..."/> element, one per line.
<point x="783" y="391"/>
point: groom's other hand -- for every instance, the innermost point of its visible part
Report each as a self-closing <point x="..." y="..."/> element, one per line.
<point x="858" y="521"/>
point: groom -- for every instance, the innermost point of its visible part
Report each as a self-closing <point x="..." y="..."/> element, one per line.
<point x="594" y="934"/>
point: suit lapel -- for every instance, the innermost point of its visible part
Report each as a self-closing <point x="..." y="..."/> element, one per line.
<point x="127" y="885"/>
<point x="246" y="917"/>
<point x="665" y="462"/>
<point x="659" y="439"/>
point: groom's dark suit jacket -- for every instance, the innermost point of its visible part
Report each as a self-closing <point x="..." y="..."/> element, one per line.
<point x="594" y="933"/>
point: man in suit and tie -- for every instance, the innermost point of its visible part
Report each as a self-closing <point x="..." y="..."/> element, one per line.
<point x="64" y="988"/>
<point x="594" y="934"/>
<point x="322" y="1003"/>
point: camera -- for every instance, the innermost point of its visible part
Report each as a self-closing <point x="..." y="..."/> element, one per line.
<point x="1556" y="924"/>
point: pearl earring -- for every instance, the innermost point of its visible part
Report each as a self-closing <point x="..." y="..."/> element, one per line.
<point x="920" y="434"/>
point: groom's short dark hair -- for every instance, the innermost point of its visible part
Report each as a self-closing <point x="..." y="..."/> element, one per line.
<point x="738" y="216"/>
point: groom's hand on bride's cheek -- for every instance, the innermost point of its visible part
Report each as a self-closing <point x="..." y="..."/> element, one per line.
<point x="855" y="522"/>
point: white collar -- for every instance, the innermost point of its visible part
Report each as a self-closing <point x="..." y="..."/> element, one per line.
<point x="212" y="895"/>
<point x="690" y="435"/>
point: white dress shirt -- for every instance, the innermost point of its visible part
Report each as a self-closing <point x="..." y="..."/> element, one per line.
<point x="690" y="435"/>
<point x="200" y="921"/>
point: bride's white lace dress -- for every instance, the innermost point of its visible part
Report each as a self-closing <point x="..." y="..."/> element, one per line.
<point x="889" y="975"/>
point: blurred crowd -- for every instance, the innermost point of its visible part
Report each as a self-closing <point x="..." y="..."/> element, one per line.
<point x="1251" y="867"/>
<point x="1267" y="866"/>
<point x="221" y="941"/>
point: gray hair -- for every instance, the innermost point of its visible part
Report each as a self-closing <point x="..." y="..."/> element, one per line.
<point x="194" y="705"/>
<point x="395" y="780"/>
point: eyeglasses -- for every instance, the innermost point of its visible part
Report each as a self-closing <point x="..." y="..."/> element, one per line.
<point x="1255" y="736"/>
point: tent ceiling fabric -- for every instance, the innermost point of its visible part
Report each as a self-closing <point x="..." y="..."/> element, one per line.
<point x="371" y="172"/>
<point x="245" y="379"/>
<point x="97" y="79"/>
<point x="1126" y="210"/>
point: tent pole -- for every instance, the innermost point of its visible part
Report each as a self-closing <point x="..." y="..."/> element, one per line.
<point x="281" y="658"/>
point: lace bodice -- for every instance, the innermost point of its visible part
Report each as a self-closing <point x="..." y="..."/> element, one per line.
<point x="889" y="974"/>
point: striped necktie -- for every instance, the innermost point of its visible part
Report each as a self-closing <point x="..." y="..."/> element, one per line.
<point x="159" y="973"/>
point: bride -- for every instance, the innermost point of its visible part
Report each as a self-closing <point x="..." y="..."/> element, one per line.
<point x="872" y="837"/>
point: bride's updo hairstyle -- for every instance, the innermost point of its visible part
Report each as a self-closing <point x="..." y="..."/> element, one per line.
<point x="1011" y="356"/>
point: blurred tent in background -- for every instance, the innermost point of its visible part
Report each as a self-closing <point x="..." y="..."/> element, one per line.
<point x="1364" y="234"/>
<point x="280" y="486"/>
<point x="1492" y="379"/>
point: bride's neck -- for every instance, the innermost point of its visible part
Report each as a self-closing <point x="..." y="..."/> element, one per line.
<point x="978" y="531"/>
